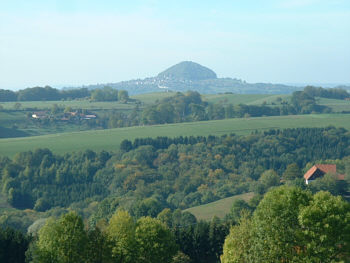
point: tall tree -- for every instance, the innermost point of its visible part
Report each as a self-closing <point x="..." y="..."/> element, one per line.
<point x="62" y="241"/>
<point x="121" y="235"/>
<point x="326" y="228"/>
<point x="154" y="240"/>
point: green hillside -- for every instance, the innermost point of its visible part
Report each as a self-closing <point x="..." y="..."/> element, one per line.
<point x="218" y="208"/>
<point x="110" y="139"/>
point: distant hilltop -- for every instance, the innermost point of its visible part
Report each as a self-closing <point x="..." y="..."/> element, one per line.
<point x="188" y="75"/>
<point x="188" y="70"/>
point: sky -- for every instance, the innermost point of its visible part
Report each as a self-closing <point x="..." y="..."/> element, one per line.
<point x="82" y="42"/>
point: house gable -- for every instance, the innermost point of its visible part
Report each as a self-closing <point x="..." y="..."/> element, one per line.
<point x="320" y="170"/>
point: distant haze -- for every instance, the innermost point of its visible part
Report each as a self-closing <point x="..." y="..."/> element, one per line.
<point x="81" y="42"/>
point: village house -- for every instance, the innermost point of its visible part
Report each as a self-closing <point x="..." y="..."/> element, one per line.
<point x="88" y="116"/>
<point x="39" y="115"/>
<point x="319" y="170"/>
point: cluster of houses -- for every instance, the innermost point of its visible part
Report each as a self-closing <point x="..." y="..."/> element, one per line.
<point x="63" y="116"/>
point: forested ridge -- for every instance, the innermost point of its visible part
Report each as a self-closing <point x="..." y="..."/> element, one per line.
<point x="148" y="182"/>
<point x="166" y="172"/>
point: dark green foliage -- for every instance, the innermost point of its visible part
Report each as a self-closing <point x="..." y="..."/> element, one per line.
<point x="332" y="93"/>
<point x="7" y="95"/>
<point x="97" y="247"/>
<point x="178" y="108"/>
<point x="292" y="225"/>
<point x="105" y="94"/>
<point x="48" y="93"/>
<point x="238" y="206"/>
<point x="38" y="94"/>
<point x="202" y="241"/>
<point x="41" y="180"/>
<point x="13" y="245"/>
<point x="169" y="172"/>
<point x="126" y="145"/>
<point x="147" y="207"/>
<point x="292" y="172"/>
<point x="329" y="182"/>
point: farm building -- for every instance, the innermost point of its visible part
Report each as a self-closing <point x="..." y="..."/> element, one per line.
<point x="39" y="115"/>
<point x="319" y="170"/>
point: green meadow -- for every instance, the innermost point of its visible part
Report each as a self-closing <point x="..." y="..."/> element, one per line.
<point x="335" y="105"/>
<point x="110" y="139"/>
<point x="218" y="208"/>
<point x="150" y="98"/>
<point x="256" y="99"/>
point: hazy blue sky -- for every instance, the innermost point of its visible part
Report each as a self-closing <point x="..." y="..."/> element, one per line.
<point x="76" y="42"/>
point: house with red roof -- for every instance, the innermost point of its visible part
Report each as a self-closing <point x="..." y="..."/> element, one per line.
<point x="319" y="170"/>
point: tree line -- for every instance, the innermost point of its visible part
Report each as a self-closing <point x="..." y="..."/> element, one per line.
<point x="189" y="106"/>
<point x="287" y="224"/>
<point x="155" y="175"/>
<point x="48" y="93"/>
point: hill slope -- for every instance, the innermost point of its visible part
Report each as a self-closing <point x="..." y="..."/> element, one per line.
<point x="218" y="208"/>
<point x="188" y="75"/>
<point x="110" y="139"/>
<point x="188" y="70"/>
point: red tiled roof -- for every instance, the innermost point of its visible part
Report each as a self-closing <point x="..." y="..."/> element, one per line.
<point x="326" y="168"/>
<point x="310" y="172"/>
<point x="341" y="177"/>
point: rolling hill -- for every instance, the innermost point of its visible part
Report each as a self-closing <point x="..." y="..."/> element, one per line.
<point x="218" y="208"/>
<point x="188" y="75"/>
<point x="110" y="139"/>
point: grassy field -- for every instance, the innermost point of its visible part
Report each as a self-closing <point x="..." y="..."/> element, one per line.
<point x="110" y="139"/>
<point x="218" y="208"/>
<point x="240" y="98"/>
<point x="256" y="99"/>
<point x="335" y="105"/>
<point x="150" y="98"/>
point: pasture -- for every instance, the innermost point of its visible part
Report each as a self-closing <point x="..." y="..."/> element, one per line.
<point x="254" y="99"/>
<point x="218" y="208"/>
<point x="335" y="105"/>
<point x="110" y="139"/>
<point x="150" y="98"/>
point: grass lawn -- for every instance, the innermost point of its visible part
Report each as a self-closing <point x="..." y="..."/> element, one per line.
<point x="110" y="139"/>
<point x="218" y="208"/>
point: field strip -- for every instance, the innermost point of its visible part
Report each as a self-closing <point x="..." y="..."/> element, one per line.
<point x="110" y="139"/>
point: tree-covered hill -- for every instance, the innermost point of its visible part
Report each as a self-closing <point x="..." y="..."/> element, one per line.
<point x="187" y="70"/>
<point x="166" y="172"/>
<point x="129" y="201"/>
